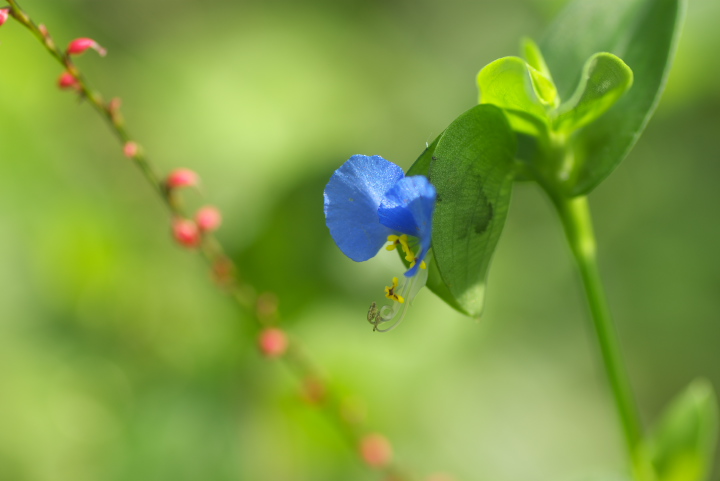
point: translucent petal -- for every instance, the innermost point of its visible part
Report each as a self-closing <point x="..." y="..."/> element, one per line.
<point x="408" y="208"/>
<point x="352" y="198"/>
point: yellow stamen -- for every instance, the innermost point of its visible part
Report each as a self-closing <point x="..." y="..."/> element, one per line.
<point x="394" y="239"/>
<point x="402" y="241"/>
<point x="414" y="261"/>
<point x="390" y="291"/>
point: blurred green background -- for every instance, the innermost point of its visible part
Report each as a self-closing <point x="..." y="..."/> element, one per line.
<point x="119" y="360"/>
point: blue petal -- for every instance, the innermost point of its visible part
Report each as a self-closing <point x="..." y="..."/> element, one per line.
<point x="352" y="198"/>
<point x="408" y="208"/>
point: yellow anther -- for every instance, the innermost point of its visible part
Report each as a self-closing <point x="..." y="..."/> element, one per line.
<point x="390" y="291"/>
<point x="404" y="243"/>
<point x="401" y="241"/>
<point x="414" y="261"/>
<point x="395" y="241"/>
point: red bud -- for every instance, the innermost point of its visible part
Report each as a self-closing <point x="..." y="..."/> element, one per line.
<point x="273" y="342"/>
<point x="80" y="45"/>
<point x="181" y="178"/>
<point x="375" y="450"/>
<point x="130" y="149"/>
<point x="67" y="81"/>
<point x="4" y="13"/>
<point x="208" y="218"/>
<point x="186" y="233"/>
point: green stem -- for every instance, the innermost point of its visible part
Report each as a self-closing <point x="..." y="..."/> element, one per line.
<point x="576" y="219"/>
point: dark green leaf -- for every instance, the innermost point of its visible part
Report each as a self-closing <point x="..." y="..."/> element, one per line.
<point x="434" y="281"/>
<point x="682" y="445"/>
<point x="644" y="34"/>
<point x="472" y="170"/>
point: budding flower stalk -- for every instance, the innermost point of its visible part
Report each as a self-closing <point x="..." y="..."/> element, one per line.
<point x="80" y="45"/>
<point x="4" y="13"/>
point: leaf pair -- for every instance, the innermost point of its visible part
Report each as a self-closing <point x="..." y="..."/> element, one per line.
<point x="525" y="88"/>
<point x="526" y="91"/>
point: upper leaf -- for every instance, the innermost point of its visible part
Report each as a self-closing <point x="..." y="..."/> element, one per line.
<point x="604" y="80"/>
<point x="472" y="169"/>
<point x="542" y="80"/>
<point x="534" y="57"/>
<point x="644" y="34"/>
<point x="508" y="83"/>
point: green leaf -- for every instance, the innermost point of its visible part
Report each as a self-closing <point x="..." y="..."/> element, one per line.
<point x="644" y="34"/>
<point x="472" y="169"/>
<point x="434" y="282"/>
<point x="508" y="84"/>
<point x="422" y="163"/>
<point x="604" y="80"/>
<point x="534" y="56"/>
<point x="542" y="80"/>
<point x="682" y="445"/>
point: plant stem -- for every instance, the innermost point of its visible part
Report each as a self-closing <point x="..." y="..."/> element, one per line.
<point x="576" y="219"/>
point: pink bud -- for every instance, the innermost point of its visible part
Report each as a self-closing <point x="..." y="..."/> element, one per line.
<point x="273" y="342"/>
<point x="181" y="178"/>
<point x="79" y="45"/>
<point x="186" y="232"/>
<point x="375" y="450"/>
<point x="130" y="149"/>
<point x="208" y="218"/>
<point x="114" y="104"/>
<point x="67" y="81"/>
<point x="4" y="13"/>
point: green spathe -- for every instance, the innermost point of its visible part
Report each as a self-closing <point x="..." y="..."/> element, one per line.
<point x="472" y="168"/>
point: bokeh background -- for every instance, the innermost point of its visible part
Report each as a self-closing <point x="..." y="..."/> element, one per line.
<point x="119" y="360"/>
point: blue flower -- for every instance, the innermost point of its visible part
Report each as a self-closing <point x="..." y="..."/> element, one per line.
<point x="369" y="202"/>
<point x="369" y="199"/>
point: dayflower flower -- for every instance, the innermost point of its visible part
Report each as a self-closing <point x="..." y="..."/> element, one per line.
<point x="369" y="202"/>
